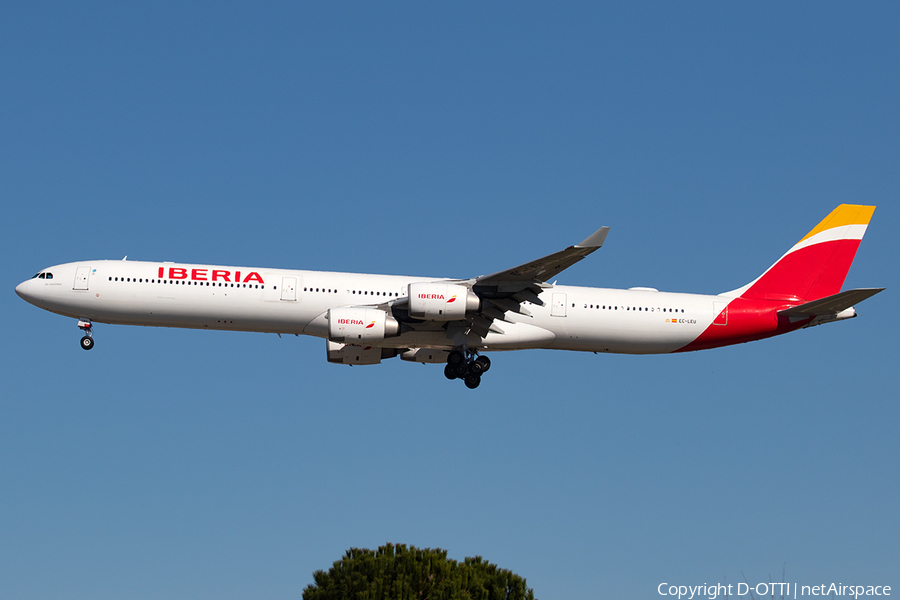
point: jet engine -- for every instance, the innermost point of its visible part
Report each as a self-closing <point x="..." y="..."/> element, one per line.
<point x="360" y="325"/>
<point x="441" y="301"/>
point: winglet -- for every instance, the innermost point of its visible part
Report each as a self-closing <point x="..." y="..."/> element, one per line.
<point x="595" y="240"/>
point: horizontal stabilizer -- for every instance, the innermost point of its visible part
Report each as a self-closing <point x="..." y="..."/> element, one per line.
<point x="831" y="304"/>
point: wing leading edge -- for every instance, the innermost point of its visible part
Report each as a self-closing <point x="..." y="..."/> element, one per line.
<point x="540" y="270"/>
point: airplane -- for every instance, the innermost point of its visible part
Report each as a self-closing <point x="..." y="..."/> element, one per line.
<point x="365" y="318"/>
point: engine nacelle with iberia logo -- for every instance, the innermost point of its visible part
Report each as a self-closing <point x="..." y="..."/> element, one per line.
<point x="353" y="325"/>
<point x="441" y="301"/>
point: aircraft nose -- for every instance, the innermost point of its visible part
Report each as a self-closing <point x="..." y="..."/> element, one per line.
<point x="22" y="290"/>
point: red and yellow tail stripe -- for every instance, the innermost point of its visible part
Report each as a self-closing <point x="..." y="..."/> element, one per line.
<point x="817" y="265"/>
<point x="845" y="215"/>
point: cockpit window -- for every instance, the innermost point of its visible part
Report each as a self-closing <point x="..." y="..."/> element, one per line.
<point x="42" y="275"/>
<point x="49" y="275"/>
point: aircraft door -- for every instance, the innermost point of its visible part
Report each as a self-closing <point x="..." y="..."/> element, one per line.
<point x="559" y="306"/>
<point x="289" y="288"/>
<point x="82" y="274"/>
<point x="720" y="313"/>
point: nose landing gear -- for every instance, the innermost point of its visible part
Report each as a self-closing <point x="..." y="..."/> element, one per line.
<point x="87" y="342"/>
<point x="465" y="365"/>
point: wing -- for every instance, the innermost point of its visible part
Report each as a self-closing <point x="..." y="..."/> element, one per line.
<point x="502" y="292"/>
<point x="540" y="270"/>
<point x="506" y="290"/>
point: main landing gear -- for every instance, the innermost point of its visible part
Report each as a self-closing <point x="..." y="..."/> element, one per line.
<point x="466" y="366"/>
<point x="87" y="342"/>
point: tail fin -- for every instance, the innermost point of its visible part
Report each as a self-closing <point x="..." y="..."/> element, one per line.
<point x="817" y="265"/>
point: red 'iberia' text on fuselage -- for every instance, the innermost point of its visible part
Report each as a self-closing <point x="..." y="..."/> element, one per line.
<point x="209" y="275"/>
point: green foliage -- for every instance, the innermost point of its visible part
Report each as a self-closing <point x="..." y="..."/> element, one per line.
<point x="408" y="573"/>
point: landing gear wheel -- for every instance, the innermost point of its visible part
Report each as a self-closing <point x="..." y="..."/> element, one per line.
<point x="456" y="358"/>
<point x="87" y="342"/>
<point x="473" y="380"/>
<point x="476" y="367"/>
<point x="485" y="363"/>
<point x="450" y="371"/>
<point x="460" y="370"/>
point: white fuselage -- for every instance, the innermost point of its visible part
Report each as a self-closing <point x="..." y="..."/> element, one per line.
<point x="297" y="302"/>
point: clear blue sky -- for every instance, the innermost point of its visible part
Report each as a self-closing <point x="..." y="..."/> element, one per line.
<point x="445" y="139"/>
